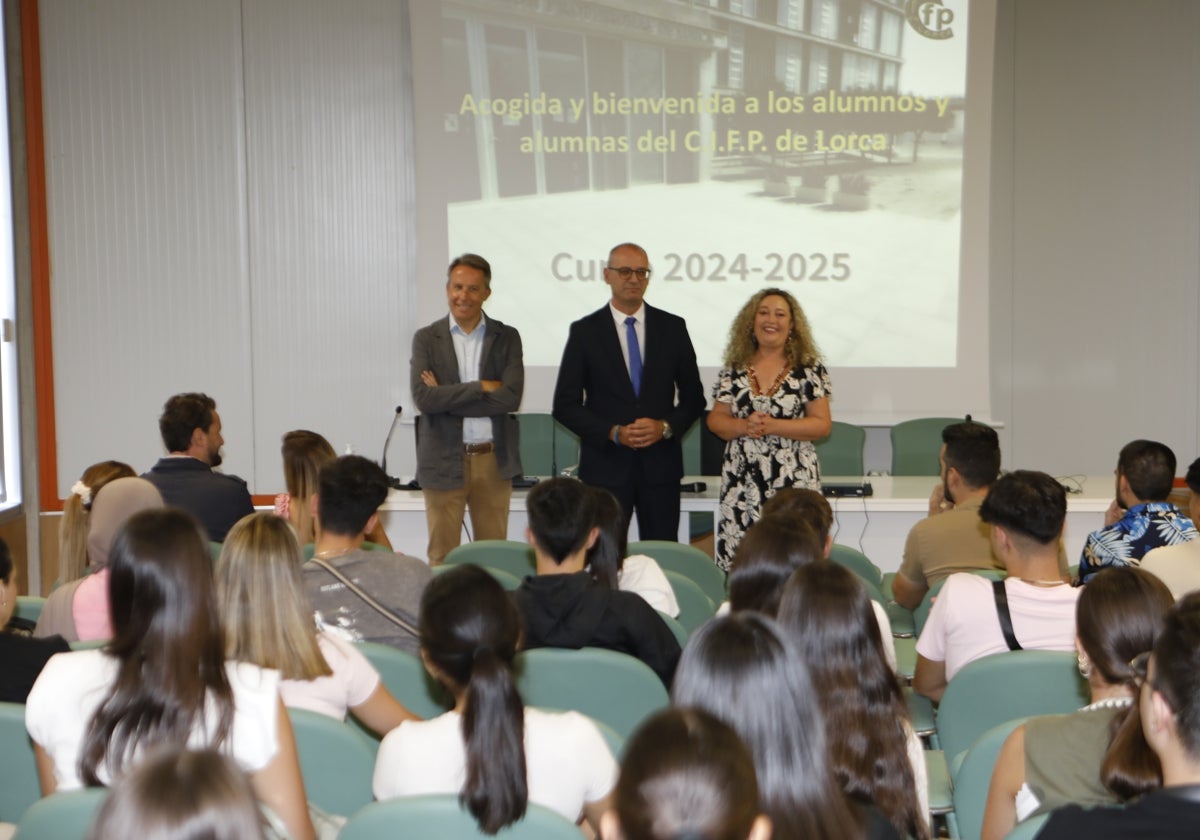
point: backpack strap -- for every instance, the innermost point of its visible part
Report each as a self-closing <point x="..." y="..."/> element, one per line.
<point x="1006" y="627"/>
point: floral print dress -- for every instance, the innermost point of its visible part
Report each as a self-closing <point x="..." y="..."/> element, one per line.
<point x="755" y="468"/>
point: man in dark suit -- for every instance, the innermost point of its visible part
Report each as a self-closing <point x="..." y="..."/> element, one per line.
<point x="467" y="379"/>
<point x="629" y="387"/>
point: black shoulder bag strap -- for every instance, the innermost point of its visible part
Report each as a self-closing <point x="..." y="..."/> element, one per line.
<point x="390" y="615"/>
<point x="1004" y="615"/>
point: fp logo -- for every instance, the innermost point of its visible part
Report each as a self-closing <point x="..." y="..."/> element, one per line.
<point x="930" y="18"/>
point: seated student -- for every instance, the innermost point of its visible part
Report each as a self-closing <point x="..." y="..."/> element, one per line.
<point x="1056" y="760"/>
<point x="176" y="793"/>
<point x="21" y="657"/>
<point x="563" y="606"/>
<point x="813" y="508"/>
<point x="1140" y="518"/>
<point x="79" y="610"/>
<point x="77" y="508"/>
<point x="876" y="755"/>
<point x="1026" y="511"/>
<point x="772" y="548"/>
<point x="269" y="622"/>
<point x="686" y="774"/>
<point x="360" y="595"/>
<point x="1169" y="706"/>
<point x="491" y="749"/>
<point x="744" y="670"/>
<point x="1178" y="566"/>
<point x="163" y="679"/>
<point x="607" y="563"/>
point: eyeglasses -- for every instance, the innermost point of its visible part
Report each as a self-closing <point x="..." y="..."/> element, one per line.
<point x="626" y="273"/>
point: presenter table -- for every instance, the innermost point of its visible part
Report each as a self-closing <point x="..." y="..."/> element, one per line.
<point x="876" y="525"/>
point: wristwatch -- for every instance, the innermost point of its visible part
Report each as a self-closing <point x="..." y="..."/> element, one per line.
<point x="667" y="433"/>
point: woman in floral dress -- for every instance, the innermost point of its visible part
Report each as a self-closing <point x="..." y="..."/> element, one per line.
<point x="770" y="402"/>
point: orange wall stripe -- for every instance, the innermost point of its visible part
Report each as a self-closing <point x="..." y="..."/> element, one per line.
<point x="39" y="247"/>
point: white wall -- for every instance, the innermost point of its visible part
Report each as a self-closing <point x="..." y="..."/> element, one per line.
<point x="228" y="191"/>
<point x="230" y="211"/>
<point x="1095" y="254"/>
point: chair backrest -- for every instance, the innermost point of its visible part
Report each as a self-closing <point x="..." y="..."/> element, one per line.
<point x="677" y="629"/>
<point x="547" y="446"/>
<point x="62" y="816"/>
<point x="695" y="607"/>
<point x="18" y="770"/>
<point x="406" y="678"/>
<point x="1002" y="687"/>
<point x="921" y="613"/>
<point x="424" y="817"/>
<point x="508" y="580"/>
<point x="975" y="776"/>
<point x="861" y="565"/>
<point x="1028" y="829"/>
<point x="510" y="556"/>
<point x="916" y="443"/>
<point x="29" y="607"/>
<point x="611" y="687"/>
<point x="687" y="561"/>
<point x="337" y="762"/>
<point x="841" y="451"/>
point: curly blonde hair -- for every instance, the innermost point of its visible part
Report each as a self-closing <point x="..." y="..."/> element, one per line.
<point x="801" y="349"/>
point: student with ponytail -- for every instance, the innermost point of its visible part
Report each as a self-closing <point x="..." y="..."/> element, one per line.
<point x="490" y="749"/>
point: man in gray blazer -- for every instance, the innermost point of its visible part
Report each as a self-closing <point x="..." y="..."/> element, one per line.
<point x="467" y="379"/>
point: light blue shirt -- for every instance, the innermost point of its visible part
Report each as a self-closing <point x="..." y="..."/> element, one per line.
<point x="468" y="349"/>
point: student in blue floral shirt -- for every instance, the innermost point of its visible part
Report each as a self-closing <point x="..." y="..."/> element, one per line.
<point x="1140" y="518"/>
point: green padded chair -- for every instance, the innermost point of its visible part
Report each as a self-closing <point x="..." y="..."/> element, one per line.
<point x="916" y="444"/>
<point x="841" y="451"/>
<point x="687" y="561"/>
<point x="906" y="656"/>
<point x="611" y="687"/>
<point x="336" y="760"/>
<point x="509" y="581"/>
<point x="700" y="524"/>
<point x="921" y="613"/>
<point x="975" y="776"/>
<point x="537" y="443"/>
<point x="695" y="607"/>
<point x="18" y="770"/>
<point x="1003" y="687"/>
<point x="406" y="678"/>
<point x="62" y="816"/>
<point x="677" y="630"/>
<point x="425" y="817"/>
<point x="861" y="565"/>
<point x="1028" y="829"/>
<point x="920" y="712"/>
<point x="510" y="556"/>
<point x="29" y="608"/>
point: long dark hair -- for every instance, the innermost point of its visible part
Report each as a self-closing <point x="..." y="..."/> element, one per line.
<point x="607" y="554"/>
<point x="469" y="633"/>
<point x="828" y="614"/>
<point x="771" y="550"/>
<point x="167" y="641"/>
<point x="742" y="669"/>
<point x="1118" y="616"/>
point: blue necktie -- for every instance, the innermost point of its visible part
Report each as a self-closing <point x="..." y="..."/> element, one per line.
<point x="635" y="355"/>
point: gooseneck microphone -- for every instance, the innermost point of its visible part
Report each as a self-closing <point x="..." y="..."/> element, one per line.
<point x="392" y="482"/>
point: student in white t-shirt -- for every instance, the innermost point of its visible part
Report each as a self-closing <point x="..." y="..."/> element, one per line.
<point x="491" y="749"/>
<point x="607" y="563"/>
<point x="1026" y="511"/>
<point x="269" y="621"/>
<point x="163" y="679"/>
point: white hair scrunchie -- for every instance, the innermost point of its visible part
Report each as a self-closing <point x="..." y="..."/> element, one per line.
<point x="83" y="492"/>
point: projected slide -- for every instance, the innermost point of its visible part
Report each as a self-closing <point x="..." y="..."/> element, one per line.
<point x="815" y="145"/>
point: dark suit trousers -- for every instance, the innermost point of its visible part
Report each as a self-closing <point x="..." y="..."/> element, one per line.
<point x="657" y="505"/>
